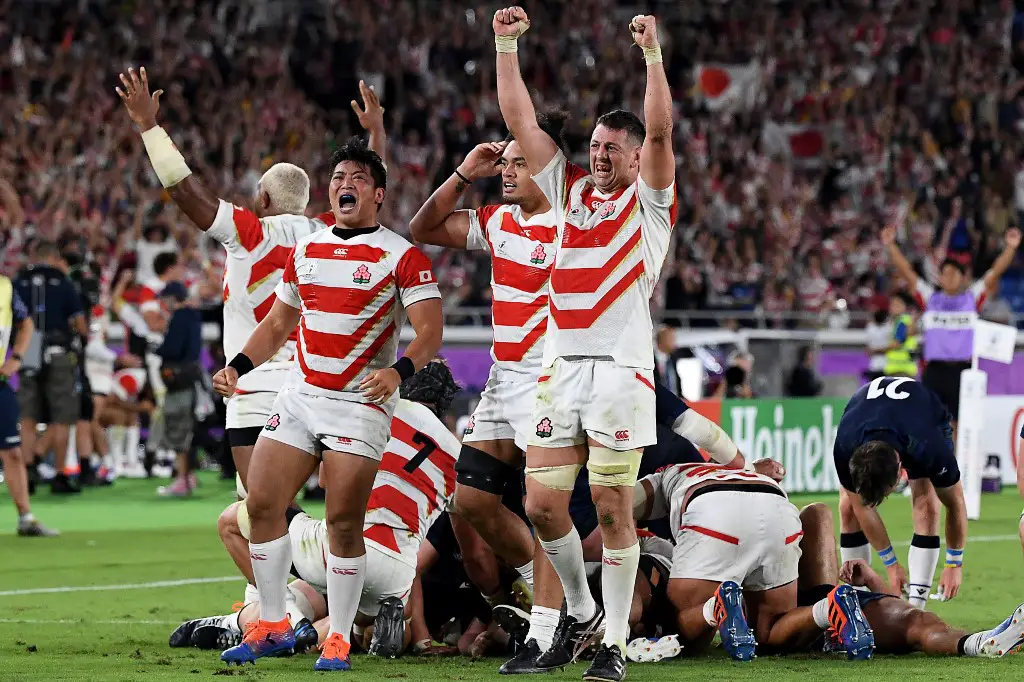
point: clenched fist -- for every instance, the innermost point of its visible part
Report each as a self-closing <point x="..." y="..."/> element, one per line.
<point x="644" y="30"/>
<point x="224" y="381"/>
<point x="510" y="22"/>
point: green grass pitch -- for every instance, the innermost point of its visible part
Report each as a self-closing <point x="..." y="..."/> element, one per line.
<point x="125" y="536"/>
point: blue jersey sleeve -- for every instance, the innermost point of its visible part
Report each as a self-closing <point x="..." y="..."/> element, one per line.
<point x="900" y="333"/>
<point x="18" y="308"/>
<point x="668" y="407"/>
<point x="945" y="471"/>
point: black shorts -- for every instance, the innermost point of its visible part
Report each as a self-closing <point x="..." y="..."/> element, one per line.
<point x="245" y="437"/>
<point x="944" y="379"/>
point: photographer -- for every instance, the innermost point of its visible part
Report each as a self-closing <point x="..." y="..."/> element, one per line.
<point x="49" y="391"/>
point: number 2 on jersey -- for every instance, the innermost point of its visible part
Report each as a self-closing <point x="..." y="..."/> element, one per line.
<point x="427" y="446"/>
<point x="891" y="391"/>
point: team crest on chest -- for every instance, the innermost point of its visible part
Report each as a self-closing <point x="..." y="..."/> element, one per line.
<point x="361" y="275"/>
<point x="607" y="208"/>
<point x="539" y="255"/>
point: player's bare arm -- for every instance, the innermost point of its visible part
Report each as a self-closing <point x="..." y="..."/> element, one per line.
<point x="1005" y="259"/>
<point x="952" y="499"/>
<point x="903" y="266"/>
<point x="194" y="200"/>
<point x="371" y="118"/>
<point x="427" y="321"/>
<point x="438" y="222"/>
<point x="513" y="97"/>
<point x="860" y="574"/>
<point x="266" y="340"/>
<point x="657" y="162"/>
<point x="874" y="529"/>
<point x="22" y="340"/>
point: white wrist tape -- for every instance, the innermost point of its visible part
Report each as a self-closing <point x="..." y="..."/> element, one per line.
<point x="652" y="55"/>
<point x="706" y="435"/>
<point x="506" y="44"/>
<point x="167" y="161"/>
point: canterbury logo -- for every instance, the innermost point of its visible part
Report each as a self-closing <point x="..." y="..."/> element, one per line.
<point x="611" y="562"/>
<point x="344" y="571"/>
<point x="341" y="252"/>
<point x="258" y="557"/>
<point x="622" y="435"/>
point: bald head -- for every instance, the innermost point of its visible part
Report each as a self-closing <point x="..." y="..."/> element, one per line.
<point x="284" y="188"/>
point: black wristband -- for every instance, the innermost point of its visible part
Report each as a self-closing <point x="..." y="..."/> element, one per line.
<point x="404" y="367"/>
<point x="242" y="364"/>
<point x="463" y="177"/>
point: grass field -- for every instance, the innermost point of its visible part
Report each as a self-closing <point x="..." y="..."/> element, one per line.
<point x="63" y="616"/>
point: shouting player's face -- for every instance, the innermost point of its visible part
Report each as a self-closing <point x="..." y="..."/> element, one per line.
<point x="354" y="195"/>
<point x="614" y="159"/>
<point x="517" y="187"/>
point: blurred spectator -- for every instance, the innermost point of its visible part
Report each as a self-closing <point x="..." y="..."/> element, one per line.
<point x="879" y="332"/>
<point x="803" y="381"/>
<point x="664" y="359"/>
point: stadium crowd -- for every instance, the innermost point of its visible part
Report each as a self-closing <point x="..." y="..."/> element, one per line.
<point x="911" y="109"/>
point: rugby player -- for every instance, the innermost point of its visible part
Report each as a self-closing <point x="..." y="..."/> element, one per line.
<point x="344" y="286"/>
<point x="896" y="422"/>
<point x="413" y="486"/>
<point x="897" y="627"/>
<point x="258" y="241"/>
<point x="595" y="395"/>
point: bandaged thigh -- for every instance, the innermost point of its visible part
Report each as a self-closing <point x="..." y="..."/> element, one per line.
<point x="612" y="468"/>
<point x="561" y="477"/>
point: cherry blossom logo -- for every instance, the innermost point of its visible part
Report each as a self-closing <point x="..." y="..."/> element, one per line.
<point x="273" y="422"/>
<point x="544" y="428"/>
<point x="470" y="425"/>
<point x="362" y="275"/>
<point x="539" y="255"/>
<point x="607" y="208"/>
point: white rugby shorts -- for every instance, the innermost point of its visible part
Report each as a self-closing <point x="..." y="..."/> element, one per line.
<point x="504" y="412"/>
<point x="751" y="538"/>
<point x="313" y="423"/>
<point x="608" y="402"/>
<point x="249" y="410"/>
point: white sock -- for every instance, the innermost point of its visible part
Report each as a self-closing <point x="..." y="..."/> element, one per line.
<point x="345" y="577"/>
<point x="230" y="622"/>
<point x="820" y="613"/>
<point x="251" y="594"/>
<point x="115" y="445"/>
<point x="854" y="546"/>
<point x="618" y="576"/>
<point x="27" y="517"/>
<point x="709" y="613"/>
<point x="270" y="562"/>
<point x="972" y="645"/>
<point x="921" y="561"/>
<point x="132" y="436"/>
<point x="526" y="571"/>
<point x="543" y="621"/>
<point x="566" y="555"/>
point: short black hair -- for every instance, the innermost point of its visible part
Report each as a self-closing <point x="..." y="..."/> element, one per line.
<point x="46" y="250"/>
<point x="954" y="264"/>
<point x="355" y="150"/>
<point x="164" y="262"/>
<point x="907" y="299"/>
<point x="875" y="470"/>
<point x="552" y="123"/>
<point x="625" y="120"/>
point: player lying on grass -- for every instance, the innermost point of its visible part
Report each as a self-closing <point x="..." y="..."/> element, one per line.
<point x="898" y="627"/>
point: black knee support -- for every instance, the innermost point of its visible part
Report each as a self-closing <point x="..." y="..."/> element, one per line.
<point x="476" y="469"/>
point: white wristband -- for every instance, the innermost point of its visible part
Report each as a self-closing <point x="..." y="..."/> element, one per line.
<point x="167" y="161"/>
<point x="506" y="44"/>
<point x="652" y="55"/>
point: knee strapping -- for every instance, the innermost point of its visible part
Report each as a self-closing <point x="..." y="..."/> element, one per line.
<point x="562" y="477"/>
<point x="242" y="519"/>
<point x="612" y="468"/>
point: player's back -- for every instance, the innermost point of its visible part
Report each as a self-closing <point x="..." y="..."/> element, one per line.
<point x="611" y="251"/>
<point x="258" y="250"/>
<point x="896" y="404"/>
<point x="414" y="483"/>
<point x="522" y="254"/>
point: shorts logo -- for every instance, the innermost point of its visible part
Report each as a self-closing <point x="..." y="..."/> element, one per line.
<point x="621" y="435"/>
<point x="361" y="275"/>
<point x="344" y="571"/>
<point x="544" y="428"/>
<point x="538" y="256"/>
<point x="345" y="441"/>
<point x="470" y="425"/>
<point x="273" y="422"/>
<point x="607" y="208"/>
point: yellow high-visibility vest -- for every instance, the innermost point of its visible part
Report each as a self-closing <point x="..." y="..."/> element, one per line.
<point x="901" y="361"/>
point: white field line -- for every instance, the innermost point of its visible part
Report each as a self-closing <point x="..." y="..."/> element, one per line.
<point x="126" y="586"/>
<point x="71" y="621"/>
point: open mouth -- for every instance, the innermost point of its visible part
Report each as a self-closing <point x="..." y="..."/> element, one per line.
<point x="602" y="168"/>
<point x="508" y="187"/>
<point x="346" y="202"/>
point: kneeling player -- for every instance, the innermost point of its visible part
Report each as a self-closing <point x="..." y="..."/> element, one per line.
<point x="898" y="627"/>
<point x="732" y="528"/>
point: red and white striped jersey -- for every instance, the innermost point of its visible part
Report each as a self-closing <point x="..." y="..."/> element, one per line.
<point x="672" y="486"/>
<point x="415" y="481"/>
<point x="257" y="249"/>
<point x="522" y="253"/>
<point x="610" y="253"/>
<point x="349" y="291"/>
<point x="127" y="384"/>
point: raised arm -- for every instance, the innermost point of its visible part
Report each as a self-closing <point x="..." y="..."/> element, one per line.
<point x="12" y="203"/>
<point x="898" y="259"/>
<point x="438" y="222"/>
<point x="1005" y="259"/>
<point x="194" y="200"/>
<point x="657" y="162"/>
<point x="371" y="118"/>
<point x="513" y="97"/>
